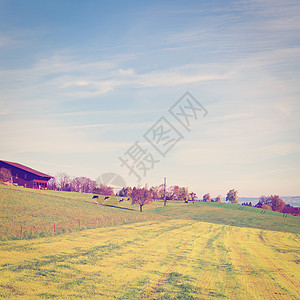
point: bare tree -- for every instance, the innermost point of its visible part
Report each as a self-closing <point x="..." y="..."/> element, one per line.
<point x="52" y="185"/>
<point x="105" y="190"/>
<point x="5" y="175"/>
<point x="82" y="185"/>
<point x="63" y="181"/>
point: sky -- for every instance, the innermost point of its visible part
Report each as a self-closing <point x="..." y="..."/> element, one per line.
<point x="89" y="87"/>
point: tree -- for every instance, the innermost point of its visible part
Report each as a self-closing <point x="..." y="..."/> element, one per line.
<point x="141" y="196"/>
<point x="173" y="193"/>
<point x="63" y="181"/>
<point x="125" y="192"/>
<point x="5" y="175"/>
<point x="82" y="185"/>
<point x="156" y="192"/>
<point x="207" y="198"/>
<point x="193" y="196"/>
<point x="218" y="198"/>
<point x="232" y="197"/>
<point x="51" y="184"/>
<point x="274" y="201"/>
<point x="104" y="190"/>
<point x="184" y="195"/>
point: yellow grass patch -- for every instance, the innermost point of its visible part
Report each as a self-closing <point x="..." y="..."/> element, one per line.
<point x="154" y="260"/>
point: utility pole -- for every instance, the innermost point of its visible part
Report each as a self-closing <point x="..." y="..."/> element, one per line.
<point x="165" y="199"/>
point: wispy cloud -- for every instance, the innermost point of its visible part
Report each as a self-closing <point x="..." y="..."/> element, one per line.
<point x="89" y="126"/>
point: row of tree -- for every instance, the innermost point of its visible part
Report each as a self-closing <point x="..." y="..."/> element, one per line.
<point x="231" y="197"/>
<point x="63" y="182"/>
<point x="161" y="192"/>
<point x="144" y="195"/>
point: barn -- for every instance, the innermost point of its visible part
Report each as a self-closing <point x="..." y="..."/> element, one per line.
<point x="25" y="176"/>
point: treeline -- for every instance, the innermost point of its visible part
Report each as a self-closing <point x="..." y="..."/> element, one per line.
<point x="63" y="182"/>
<point x="145" y="195"/>
<point x="160" y="192"/>
<point x="232" y="197"/>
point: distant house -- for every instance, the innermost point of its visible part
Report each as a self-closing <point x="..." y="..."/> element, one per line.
<point x="25" y="176"/>
<point x="259" y="205"/>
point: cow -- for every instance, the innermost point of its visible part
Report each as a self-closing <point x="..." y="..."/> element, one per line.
<point x="95" y="197"/>
<point x="121" y="200"/>
<point x="106" y="198"/>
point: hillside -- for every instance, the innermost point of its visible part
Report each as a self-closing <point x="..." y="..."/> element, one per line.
<point x="182" y="251"/>
<point x="31" y="213"/>
<point x="42" y="212"/>
<point x="232" y="214"/>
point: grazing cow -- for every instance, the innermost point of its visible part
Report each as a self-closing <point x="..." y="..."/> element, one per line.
<point x="128" y="199"/>
<point x="121" y="200"/>
<point x="106" y="198"/>
<point x="96" y="203"/>
<point x="95" y="197"/>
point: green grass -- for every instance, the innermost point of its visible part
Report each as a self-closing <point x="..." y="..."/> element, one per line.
<point x="182" y="251"/>
<point x="231" y="214"/>
<point x="37" y="212"/>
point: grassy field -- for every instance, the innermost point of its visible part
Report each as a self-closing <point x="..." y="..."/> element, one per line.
<point x="43" y="213"/>
<point x="232" y="214"/>
<point x="182" y="251"/>
<point x="39" y="211"/>
<point x="173" y="259"/>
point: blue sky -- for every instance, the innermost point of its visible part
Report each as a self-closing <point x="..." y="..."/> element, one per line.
<point x="82" y="81"/>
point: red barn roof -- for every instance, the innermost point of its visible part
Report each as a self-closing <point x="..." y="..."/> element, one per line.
<point x="22" y="167"/>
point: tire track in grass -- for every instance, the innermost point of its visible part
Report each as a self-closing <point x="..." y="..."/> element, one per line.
<point x="209" y="254"/>
<point x="209" y="265"/>
<point x="166" y="274"/>
<point x="274" y="289"/>
<point x="287" y="279"/>
<point x="223" y="265"/>
<point x="246" y="277"/>
<point x="163" y="245"/>
<point x="226" y="269"/>
<point x="280" y="270"/>
<point x="261" y="278"/>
